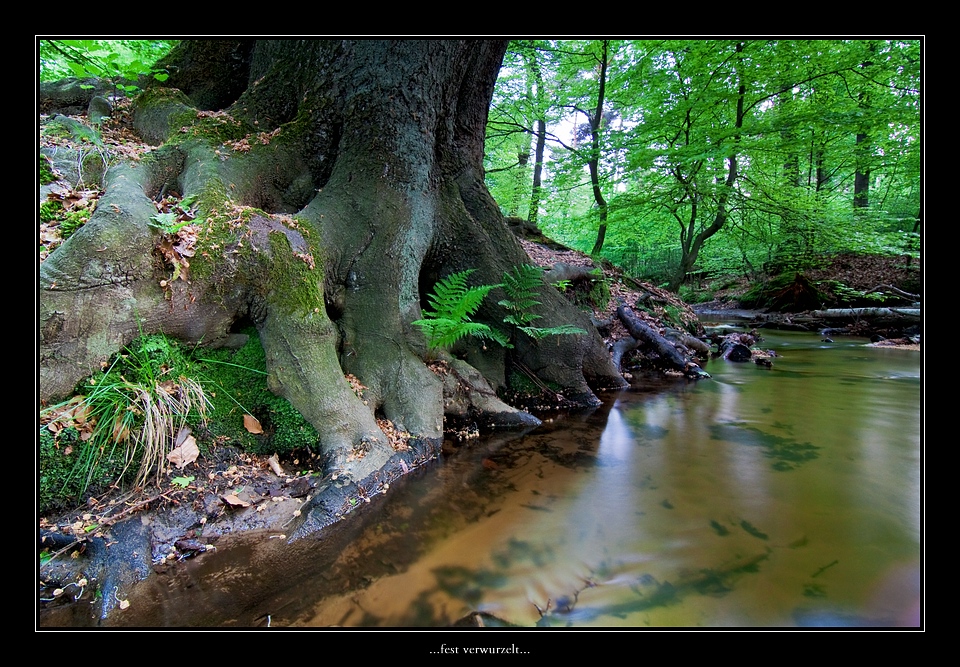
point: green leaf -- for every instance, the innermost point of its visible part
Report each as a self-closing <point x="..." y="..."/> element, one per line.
<point x="182" y="482"/>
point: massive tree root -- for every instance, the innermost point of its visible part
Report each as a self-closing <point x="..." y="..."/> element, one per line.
<point x="330" y="197"/>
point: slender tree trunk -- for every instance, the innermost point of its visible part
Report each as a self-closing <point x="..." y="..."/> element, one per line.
<point x="540" y="133"/>
<point x="861" y="180"/>
<point x="595" y="131"/>
<point x="862" y="151"/>
<point x="534" y="212"/>
<point x="693" y="242"/>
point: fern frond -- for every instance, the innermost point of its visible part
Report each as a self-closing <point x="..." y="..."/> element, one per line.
<point x="518" y="305"/>
<point x="452" y="303"/>
<point x="452" y="298"/>
<point x="540" y="333"/>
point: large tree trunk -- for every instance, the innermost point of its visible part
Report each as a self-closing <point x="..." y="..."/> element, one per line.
<point x="377" y="148"/>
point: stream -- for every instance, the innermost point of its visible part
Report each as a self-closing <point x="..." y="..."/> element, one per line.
<point x="780" y="497"/>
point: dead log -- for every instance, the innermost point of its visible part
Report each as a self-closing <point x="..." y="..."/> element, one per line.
<point x="857" y="313"/>
<point x="646" y="334"/>
<point x="698" y="347"/>
<point x="571" y="272"/>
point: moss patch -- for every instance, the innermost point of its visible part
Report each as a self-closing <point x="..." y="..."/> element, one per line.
<point x="238" y="384"/>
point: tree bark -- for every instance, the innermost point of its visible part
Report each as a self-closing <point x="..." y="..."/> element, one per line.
<point x="594" y="163"/>
<point x="376" y="146"/>
<point x="691" y="241"/>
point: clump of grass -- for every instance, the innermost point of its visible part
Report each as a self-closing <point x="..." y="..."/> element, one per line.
<point x="134" y="412"/>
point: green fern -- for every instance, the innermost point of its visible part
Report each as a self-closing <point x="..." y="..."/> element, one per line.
<point x="542" y="332"/>
<point x="521" y="287"/>
<point x="453" y="303"/>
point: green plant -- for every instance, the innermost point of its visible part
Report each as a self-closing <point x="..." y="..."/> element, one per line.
<point x="73" y="221"/>
<point x="521" y="286"/>
<point x="600" y="292"/>
<point x="46" y="174"/>
<point x="50" y="210"/>
<point x="175" y="216"/>
<point x="453" y="304"/>
<point x="237" y="385"/>
<point x="121" y="61"/>
<point x="182" y="482"/>
<point x="131" y="413"/>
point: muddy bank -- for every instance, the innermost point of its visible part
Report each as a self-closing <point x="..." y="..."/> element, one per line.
<point x="96" y="566"/>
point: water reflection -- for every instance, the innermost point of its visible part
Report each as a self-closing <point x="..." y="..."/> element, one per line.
<point x="763" y="497"/>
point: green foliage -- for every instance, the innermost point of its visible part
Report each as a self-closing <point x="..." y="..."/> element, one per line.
<point x="521" y="285"/>
<point x="847" y="296"/>
<point x="671" y="123"/>
<point x="62" y="458"/>
<point x="237" y="382"/>
<point x="46" y="175"/>
<point x="73" y="221"/>
<point x="123" y="421"/>
<point x="131" y="412"/>
<point x="689" y="294"/>
<point x="600" y="292"/>
<point x="453" y="304"/>
<point x="178" y="215"/>
<point x="52" y="212"/>
<point x="182" y="482"/>
<point x="123" y="61"/>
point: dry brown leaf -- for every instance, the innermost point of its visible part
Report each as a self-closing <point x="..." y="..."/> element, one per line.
<point x="252" y="424"/>
<point x="234" y="500"/>
<point x="274" y="463"/>
<point x="185" y="453"/>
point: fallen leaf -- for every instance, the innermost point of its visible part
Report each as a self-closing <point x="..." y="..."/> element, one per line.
<point x="234" y="500"/>
<point x="252" y="424"/>
<point x="185" y="453"/>
<point x="275" y="465"/>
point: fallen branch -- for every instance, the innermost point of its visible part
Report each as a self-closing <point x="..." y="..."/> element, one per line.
<point x="644" y="333"/>
<point x="894" y="290"/>
<point x="856" y="313"/>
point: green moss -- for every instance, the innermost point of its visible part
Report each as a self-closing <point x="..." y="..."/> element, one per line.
<point x="600" y="292"/>
<point x="235" y="383"/>
<point x="50" y="210"/>
<point x="46" y="172"/>
<point x="240" y="386"/>
<point x="296" y="280"/>
<point x="73" y="221"/>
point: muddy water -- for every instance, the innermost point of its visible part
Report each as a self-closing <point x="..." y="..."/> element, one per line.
<point x="761" y="497"/>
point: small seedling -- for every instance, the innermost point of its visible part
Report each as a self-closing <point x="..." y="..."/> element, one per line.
<point x="182" y="482"/>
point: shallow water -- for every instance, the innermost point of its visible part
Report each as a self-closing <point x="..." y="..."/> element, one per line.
<point x="761" y="497"/>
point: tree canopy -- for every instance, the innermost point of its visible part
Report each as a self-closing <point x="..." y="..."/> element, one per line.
<point x="719" y="154"/>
